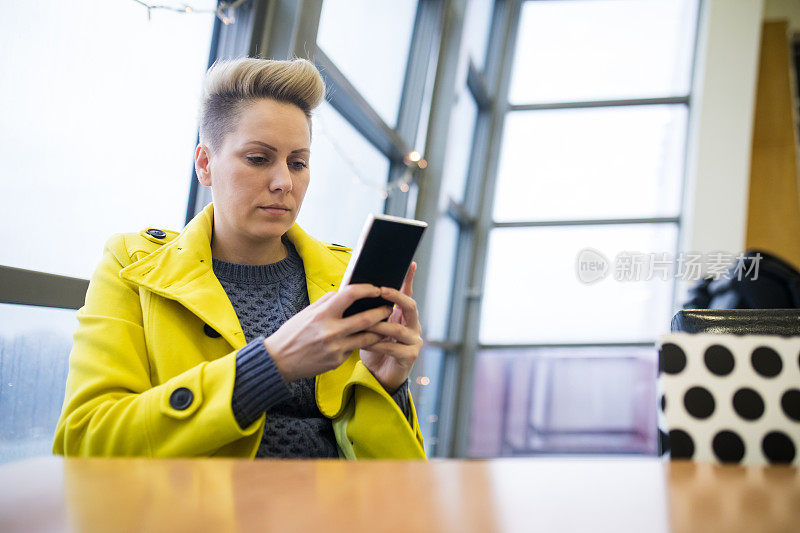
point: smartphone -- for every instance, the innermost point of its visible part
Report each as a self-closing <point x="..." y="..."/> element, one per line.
<point x="382" y="256"/>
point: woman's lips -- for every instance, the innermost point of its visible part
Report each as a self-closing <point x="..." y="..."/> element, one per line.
<point x="274" y="210"/>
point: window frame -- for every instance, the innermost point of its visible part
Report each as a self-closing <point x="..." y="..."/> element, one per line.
<point x="460" y="391"/>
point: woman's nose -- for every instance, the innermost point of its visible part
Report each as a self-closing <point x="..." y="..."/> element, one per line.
<point x="281" y="179"/>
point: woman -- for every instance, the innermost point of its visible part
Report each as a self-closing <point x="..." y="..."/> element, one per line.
<point x="228" y="338"/>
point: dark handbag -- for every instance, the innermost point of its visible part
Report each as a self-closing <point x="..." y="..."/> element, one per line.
<point x="777" y="286"/>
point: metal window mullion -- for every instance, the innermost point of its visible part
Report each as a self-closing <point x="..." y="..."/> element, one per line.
<point x="430" y="179"/>
<point x="194" y="186"/>
<point x="464" y="213"/>
<point x="286" y="29"/>
<point x="585" y="222"/>
<point x="497" y="75"/>
<point x="427" y="26"/>
<point x="477" y="86"/>
<point x="531" y="346"/>
<point x="443" y="344"/>
<point x="357" y="111"/>
<point x="669" y="100"/>
<point x="686" y="145"/>
<point x="458" y="212"/>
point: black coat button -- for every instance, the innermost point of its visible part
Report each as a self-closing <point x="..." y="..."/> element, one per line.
<point x="211" y="332"/>
<point x="181" y="398"/>
<point x="157" y="233"/>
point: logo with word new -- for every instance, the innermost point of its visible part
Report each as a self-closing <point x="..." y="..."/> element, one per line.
<point x="591" y="265"/>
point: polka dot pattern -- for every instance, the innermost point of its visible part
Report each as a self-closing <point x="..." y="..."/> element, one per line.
<point x="719" y="360"/>
<point x="672" y="360"/>
<point x="790" y="403"/>
<point x="728" y="447"/>
<point x="766" y="362"/>
<point x="731" y="398"/>
<point x="681" y="444"/>
<point x="778" y="447"/>
<point x="748" y="404"/>
<point x="699" y="402"/>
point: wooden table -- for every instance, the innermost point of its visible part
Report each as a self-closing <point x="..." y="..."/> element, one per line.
<point x="541" y="494"/>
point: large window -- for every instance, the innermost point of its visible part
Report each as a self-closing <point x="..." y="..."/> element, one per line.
<point x="591" y="161"/>
<point x="595" y="50"/>
<point x="98" y="126"/>
<point x="97" y="137"/>
<point x="371" y="47"/>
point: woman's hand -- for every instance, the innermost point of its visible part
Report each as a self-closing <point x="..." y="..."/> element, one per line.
<point x="390" y="359"/>
<point x="318" y="339"/>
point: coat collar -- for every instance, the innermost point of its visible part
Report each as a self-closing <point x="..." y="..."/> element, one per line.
<point x="181" y="270"/>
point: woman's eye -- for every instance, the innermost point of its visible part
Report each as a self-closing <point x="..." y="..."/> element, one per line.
<point x="299" y="165"/>
<point x="256" y="160"/>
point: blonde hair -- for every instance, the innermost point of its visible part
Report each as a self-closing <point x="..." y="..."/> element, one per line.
<point x="232" y="84"/>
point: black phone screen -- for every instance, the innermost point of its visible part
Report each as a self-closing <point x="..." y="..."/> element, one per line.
<point x="384" y="259"/>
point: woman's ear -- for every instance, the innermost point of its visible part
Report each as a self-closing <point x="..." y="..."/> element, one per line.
<point x="202" y="160"/>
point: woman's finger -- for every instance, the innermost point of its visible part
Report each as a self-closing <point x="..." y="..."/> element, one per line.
<point x="363" y="320"/>
<point x="349" y="294"/>
<point x="399" y="332"/>
<point x="364" y="340"/>
<point x="395" y="350"/>
<point x="406" y="303"/>
<point x="408" y="282"/>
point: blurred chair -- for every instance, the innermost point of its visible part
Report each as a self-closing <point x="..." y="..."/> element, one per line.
<point x="784" y="322"/>
<point x="776" y="286"/>
<point x="594" y="401"/>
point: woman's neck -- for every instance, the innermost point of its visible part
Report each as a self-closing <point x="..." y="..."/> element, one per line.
<point x="236" y="250"/>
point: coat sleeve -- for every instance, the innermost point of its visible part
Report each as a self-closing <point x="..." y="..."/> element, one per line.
<point x="111" y="406"/>
<point x="372" y="426"/>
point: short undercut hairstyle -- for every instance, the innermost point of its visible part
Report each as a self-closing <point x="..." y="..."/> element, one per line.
<point x="231" y="85"/>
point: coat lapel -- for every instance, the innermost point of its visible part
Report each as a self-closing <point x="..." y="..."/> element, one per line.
<point x="181" y="270"/>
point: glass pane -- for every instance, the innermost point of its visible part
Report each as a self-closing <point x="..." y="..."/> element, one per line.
<point x="573" y="164"/>
<point x="34" y="353"/>
<point x="370" y="46"/>
<point x="348" y="176"/>
<point x="425" y="391"/>
<point x="459" y="147"/>
<point x="476" y="30"/>
<point x="533" y="294"/>
<point x="574" y="50"/>
<point x="440" y="284"/>
<point x="559" y="400"/>
<point x="99" y="126"/>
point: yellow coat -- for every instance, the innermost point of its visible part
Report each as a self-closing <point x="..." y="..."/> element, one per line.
<point x="141" y="335"/>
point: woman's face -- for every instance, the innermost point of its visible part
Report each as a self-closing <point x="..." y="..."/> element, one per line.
<point x="260" y="174"/>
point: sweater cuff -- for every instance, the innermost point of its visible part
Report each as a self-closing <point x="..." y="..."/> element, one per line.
<point x="401" y="398"/>
<point x="258" y="385"/>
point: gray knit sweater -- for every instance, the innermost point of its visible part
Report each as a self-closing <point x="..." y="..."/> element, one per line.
<point x="264" y="297"/>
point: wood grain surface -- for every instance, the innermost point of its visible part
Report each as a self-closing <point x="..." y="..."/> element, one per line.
<point x="537" y="494"/>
